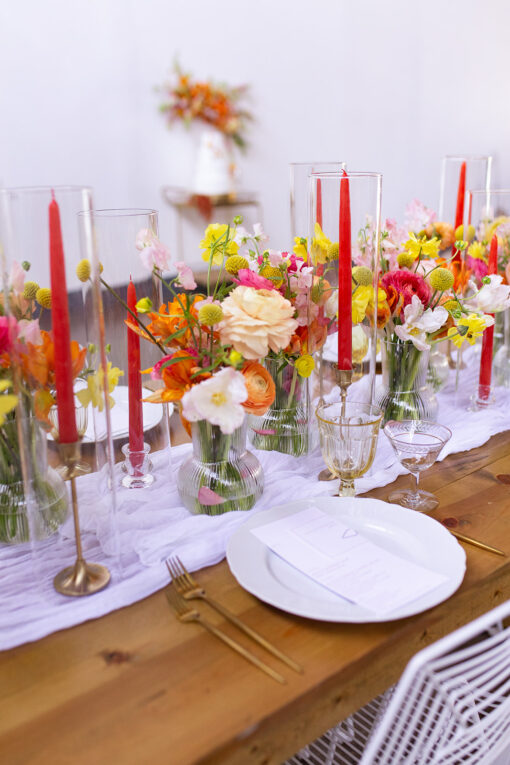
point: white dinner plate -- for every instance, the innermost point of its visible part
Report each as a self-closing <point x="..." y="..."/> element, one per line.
<point x="119" y="413"/>
<point x="407" y="533"/>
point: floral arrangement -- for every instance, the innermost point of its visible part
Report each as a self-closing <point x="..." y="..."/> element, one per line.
<point x="27" y="357"/>
<point x="187" y="99"/>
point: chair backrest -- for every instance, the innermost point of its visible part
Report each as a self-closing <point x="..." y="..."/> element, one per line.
<point x="452" y="704"/>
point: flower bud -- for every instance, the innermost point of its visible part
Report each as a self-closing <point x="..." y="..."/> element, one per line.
<point x="144" y="305"/>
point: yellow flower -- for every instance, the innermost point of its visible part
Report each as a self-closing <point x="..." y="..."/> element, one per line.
<point x="492" y="229"/>
<point x="272" y="273"/>
<point x="300" y="248"/>
<point x="441" y="279"/>
<point x="361" y="297"/>
<point x="304" y="365"/>
<point x="94" y="392"/>
<point x="7" y="401"/>
<point x="422" y="247"/>
<point x="210" y="314"/>
<point x="320" y="245"/>
<point x="362" y="275"/>
<point x="478" y="250"/>
<point x="216" y="233"/>
<point x="406" y="259"/>
<point x="468" y="328"/>
<point x="43" y="297"/>
<point x="144" y="305"/>
<point x="83" y="270"/>
<point x="359" y="344"/>
<point x="30" y="290"/>
<point x="234" y="263"/>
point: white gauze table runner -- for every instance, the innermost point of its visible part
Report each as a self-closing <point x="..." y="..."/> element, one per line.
<point x="152" y="524"/>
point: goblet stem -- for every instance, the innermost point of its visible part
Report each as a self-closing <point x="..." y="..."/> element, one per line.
<point x="414" y="496"/>
<point x="346" y="488"/>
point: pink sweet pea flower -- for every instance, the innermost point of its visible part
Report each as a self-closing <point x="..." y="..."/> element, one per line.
<point x="185" y="276"/>
<point x="153" y="253"/>
<point x="247" y="278"/>
<point x="29" y="331"/>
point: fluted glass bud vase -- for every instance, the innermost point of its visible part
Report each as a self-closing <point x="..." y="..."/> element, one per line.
<point x="286" y="426"/>
<point x="404" y="393"/>
<point x="220" y="475"/>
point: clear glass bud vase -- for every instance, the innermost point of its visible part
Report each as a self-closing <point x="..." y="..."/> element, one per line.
<point x="220" y="475"/>
<point x="285" y="427"/>
<point x="49" y="496"/>
<point x="404" y="393"/>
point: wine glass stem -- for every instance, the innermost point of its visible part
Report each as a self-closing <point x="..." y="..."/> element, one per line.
<point x="414" y="498"/>
<point x="346" y="488"/>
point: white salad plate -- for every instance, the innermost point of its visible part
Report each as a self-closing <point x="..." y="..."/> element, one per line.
<point x="407" y="533"/>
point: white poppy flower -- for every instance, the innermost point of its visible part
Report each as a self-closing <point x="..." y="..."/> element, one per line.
<point x="419" y="323"/>
<point x="217" y="400"/>
<point x="492" y="298"/>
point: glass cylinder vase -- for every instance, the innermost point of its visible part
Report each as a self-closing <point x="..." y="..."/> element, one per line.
<point x="220" y="475"/>
<point x="404" y="394"/>
<point x="299" y="193"/>
<point x="47" y="489"/>
<point x="286" y="426"/>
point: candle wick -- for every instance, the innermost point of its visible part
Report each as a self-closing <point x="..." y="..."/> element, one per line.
<point x="53" y="194"/>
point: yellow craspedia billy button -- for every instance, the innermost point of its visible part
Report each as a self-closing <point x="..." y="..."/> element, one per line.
<point x="43" y="297"/>
<point x="83" y="270"/>
<point x="273" y="274"/>
<point x="332" y="251"/>
<point x="405" y="259"/>
<point x="234" y="263"/>
<point x="305" y="365"/>
<point x="210" y="314"/>
<point x="362" y="275"/>
<point x="30" y="290"/>
<point x="441" y="279"/>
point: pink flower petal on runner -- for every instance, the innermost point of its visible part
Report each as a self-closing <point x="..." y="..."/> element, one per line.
<point x="264" y="432"/>
<point x="207" y="496"/>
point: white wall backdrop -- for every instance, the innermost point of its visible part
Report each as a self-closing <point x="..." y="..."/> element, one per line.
<point x="384" y="85"/>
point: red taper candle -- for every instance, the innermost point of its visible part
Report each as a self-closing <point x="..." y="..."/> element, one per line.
<point x="319" y="202"/>
<point x="134" y="378"/>
<point x="345" y="277"/>
<point x="459" y="211"/>
<point x="67" y="431"/>
<point x="484" y="382"/>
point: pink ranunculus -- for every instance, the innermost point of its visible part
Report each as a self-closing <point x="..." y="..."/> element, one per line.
<point x="295" y="263"/>
<point x="156" y="369"/>
<point x="185" y="276"/>
<point x="407" y="284"/>
<point x="478" y="268"/>
<point x="247" y="278"/>
<point x="8" y="331"/>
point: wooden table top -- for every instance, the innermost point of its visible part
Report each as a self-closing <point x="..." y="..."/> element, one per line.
<point x="137" y="687"/>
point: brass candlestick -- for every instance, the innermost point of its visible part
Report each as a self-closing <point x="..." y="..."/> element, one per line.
<point x="83" y="578"/>
<point x="344" y="379"/>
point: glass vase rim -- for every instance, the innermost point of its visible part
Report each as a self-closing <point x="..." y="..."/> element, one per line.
<point x="489" y="192"/>
<point x="329" y="174"/>
<point x="437" y="425"/>
<point x="470" y="157"/>
<point x="378" y="417"/>
<point x="61" y="189"/>
<point x="121" y="212"/>
<point x="407" y="343"/>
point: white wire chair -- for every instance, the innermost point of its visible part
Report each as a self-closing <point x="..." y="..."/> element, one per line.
<point x="451" y="706"/>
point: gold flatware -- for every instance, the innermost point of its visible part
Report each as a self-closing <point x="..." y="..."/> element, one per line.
<point x="189" y="588"/>
<point x="476" y="543"/>
<point x="186" y="613"/>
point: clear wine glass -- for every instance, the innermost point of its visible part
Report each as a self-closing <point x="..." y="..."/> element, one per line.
<point x="417" y="444"/>
<point x="348" y="435"/>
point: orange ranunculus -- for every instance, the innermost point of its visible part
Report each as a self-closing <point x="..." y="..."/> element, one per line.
<point x="383" y="313"/>
<point x="260" y="387"/>
<point x="39" y="362"/>
<point x="171" y="319"/>
<point x="461" y="274"/>
<point x="177" y="378"/>
<point x="394" y="299"/>
<point x="308" y="339"/>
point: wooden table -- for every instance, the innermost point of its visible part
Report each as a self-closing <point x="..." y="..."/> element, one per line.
<point x="138" y="688"/>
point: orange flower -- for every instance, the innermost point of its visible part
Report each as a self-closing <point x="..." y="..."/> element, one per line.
<point x="260" y="387"/>
<point x="171" y="319"/>
<point x="39" y="363"/>
<point x="308" y="339"/>
<point x="461" y="273"/>
<point x="394" y="299"/>
<point x="177" y="378"/>
<point x="444" y="231"/>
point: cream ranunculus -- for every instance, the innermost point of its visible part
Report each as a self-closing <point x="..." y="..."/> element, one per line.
<point x="256" y="321"/>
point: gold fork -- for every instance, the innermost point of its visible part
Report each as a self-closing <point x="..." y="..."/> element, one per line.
<point x="186" y="613"/>
<point x="189" y="588"/>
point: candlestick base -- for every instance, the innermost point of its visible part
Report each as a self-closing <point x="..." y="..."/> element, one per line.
<point x="137" y="467"/>
<point x="71" y="466"/>
<point x="344" y="380"/>
<point x="81" y="579"/>
<point x="482" y="398"/>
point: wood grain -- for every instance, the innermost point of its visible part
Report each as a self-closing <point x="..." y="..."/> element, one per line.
<point x="137" y="687"/>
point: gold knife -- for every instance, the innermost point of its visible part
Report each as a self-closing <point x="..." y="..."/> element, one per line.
<point x="476" y="543"/>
